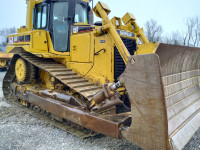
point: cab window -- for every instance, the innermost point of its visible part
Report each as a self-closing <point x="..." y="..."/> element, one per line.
<point x="81" y="12"/>
<point x="40" y="17"/>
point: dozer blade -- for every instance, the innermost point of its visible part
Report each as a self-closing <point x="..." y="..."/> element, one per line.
<point x="164" y="91"/>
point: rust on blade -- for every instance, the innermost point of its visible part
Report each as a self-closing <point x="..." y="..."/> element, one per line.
<point x="106" y="125"/>
<point x="177" y="59"/>
<point x="180" y="69"/>
<point x="142" y="79"/>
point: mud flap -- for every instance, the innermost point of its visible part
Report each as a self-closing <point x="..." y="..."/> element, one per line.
<point x="143" y="81"/>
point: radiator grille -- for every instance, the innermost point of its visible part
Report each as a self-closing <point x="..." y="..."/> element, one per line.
<point x="119" y="66"/>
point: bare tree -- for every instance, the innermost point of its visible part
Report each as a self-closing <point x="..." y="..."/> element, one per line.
<point x="174" y="38"/>
<point x="189" y="37"/>
<point x="153" y="31"/>
<point x="192" y="35"/>
<point x="4" y="33"/>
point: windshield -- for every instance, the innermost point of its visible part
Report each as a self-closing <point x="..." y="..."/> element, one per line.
<point x="81" y="14"/>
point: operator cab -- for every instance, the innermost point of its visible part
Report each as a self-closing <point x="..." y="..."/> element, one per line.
<point x="57" y="17"/>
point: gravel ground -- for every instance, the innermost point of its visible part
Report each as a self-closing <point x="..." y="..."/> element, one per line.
<point x="21" y="131"/>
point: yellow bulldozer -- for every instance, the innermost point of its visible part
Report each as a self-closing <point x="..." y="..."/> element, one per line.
<point x="5" y="60"/>
<point x="97" y="78"/>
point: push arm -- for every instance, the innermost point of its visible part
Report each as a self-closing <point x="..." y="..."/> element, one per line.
<point x="101" y="10"/>
<point x="130" y="21"/>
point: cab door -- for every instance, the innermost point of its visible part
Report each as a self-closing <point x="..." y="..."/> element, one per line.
<point x="81" y="39"/>
<point x="61" y="20"/>
<point x="38" y="35"/>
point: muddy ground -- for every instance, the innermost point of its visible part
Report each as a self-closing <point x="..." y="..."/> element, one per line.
<point x="22" y="131"/>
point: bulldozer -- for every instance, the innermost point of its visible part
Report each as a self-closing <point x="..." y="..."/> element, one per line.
<point x="97" y="78"/>
<point x="5" y="60"/>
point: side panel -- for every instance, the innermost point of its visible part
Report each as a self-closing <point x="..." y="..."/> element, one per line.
<point x="80" y="48"/>
<point x="100" y="67"/>
<point x="103" y="69"/>
<point x="39" y="41"/>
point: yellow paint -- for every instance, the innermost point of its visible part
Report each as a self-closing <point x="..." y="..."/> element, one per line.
<point x="10" y="48"/>
<point x="121" y="26"/>
<point x="116" y="21"/>
<point x="100" y="68"/>
<point x="29" y="14"/>
<point x="102" y="10"/>
<point x="80" y="48"/>
<point x="20" y="70"/>
<point x="130" y="21"/>
<point x="91" y="54"/>
<point x="103" y="68"/>
<point x="146" y="48"/>
<point x="38" y="41"/>
<point x="45" y="79"/>
<point x="22" y="29"/>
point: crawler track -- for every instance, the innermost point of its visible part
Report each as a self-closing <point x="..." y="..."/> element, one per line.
<point x="64" y="75"/>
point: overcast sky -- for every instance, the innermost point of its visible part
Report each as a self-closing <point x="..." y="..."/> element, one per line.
<point x="171" y="14"/>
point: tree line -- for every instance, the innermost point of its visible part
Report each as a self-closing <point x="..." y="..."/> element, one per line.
<point x="188" y="37"/>
<point x="153" y="31"/>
